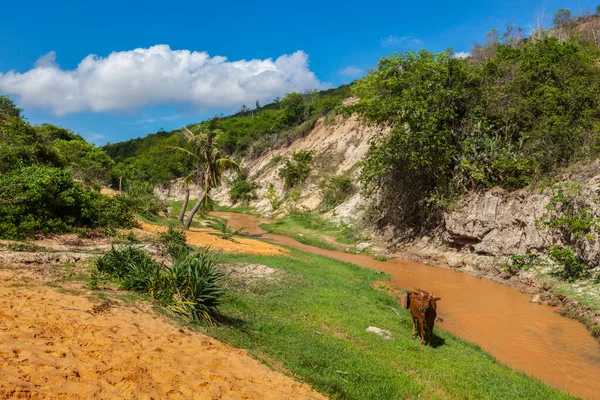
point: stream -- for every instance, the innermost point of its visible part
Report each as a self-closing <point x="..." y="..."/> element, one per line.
<point x="528" y="337"/>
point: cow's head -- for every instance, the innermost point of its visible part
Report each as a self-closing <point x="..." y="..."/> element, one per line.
<point x="427" y="301"/>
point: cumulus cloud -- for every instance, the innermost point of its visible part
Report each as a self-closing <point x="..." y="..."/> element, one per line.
<point x="351" y="71"/>
<point x="461" y="54"/>
<point x="129" y="80"/>
<point x="395" y="41"/>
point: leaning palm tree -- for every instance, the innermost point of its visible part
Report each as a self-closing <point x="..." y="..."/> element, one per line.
<point x="210" y="165"/>
<point x="187" y="181"/>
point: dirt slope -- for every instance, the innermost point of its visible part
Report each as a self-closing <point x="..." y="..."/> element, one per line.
<point x="338" y="148"/>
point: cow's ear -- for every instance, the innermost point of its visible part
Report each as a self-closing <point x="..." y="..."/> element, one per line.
<point x="436" y="299"/>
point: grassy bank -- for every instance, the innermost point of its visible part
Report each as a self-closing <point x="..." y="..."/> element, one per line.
<point x="312" y="229"/>
<point x="310" y="320"/>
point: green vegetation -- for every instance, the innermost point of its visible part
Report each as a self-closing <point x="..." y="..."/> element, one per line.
<point x="520" y="263"/>
<point x="243" y="190"/>
<point x="295" y="171"/>
<point x="572" y="267"/>
<point x="569" y="213"/>
<point x="173" y="243"/>
<point x="516" y="110"/>
<point x="202" y="153"/>
<point x="189" y="287"/>
<point x="273" y="197"/>
<point x="336" y="190"/>
<point x="312" y="321"/>
<point x="312" y="229"/>
<point x="38" y="190"/>
<point x="246" y="133"/>
<point x="226" y="232"/>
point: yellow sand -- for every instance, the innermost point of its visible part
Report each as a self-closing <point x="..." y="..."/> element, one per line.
<point x="50" y="348"/>
<point x="197" y="237"/>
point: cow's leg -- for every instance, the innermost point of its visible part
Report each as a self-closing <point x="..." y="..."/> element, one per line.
<point x="414" y="333"/>
<point x="422" y="331"/>
<point x="430" y="329"/>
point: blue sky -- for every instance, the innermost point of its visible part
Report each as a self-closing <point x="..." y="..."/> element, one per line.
<point x="294" y="45"/>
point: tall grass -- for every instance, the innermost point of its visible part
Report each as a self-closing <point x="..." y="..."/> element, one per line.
<point x="190" y="286"/>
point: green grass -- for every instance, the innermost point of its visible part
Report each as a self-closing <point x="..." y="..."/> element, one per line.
<point x="312" y="229"/>
<point x="312" y="323"/>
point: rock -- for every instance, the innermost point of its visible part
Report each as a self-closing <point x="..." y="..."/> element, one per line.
<point x="387" y="335"/>
<point x="300" y="234"/>
<point x="536" y="299"/>
<point x="362" y="246"/>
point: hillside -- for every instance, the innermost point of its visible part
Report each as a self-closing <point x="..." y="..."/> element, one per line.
<point x="467" y="163"/>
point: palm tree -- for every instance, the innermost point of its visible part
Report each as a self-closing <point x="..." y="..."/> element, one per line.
<point x="209" y="166"/>
<point x="186" y="184"/>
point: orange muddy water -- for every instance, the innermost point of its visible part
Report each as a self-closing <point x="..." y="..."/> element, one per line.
<point x="528" y="337"/>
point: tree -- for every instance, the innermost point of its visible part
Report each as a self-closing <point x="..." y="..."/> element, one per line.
<point x="8" y="109"/>
<point x="186" y="184"/>
<point x="209" y="163"/>
<point x="563" y="21"/>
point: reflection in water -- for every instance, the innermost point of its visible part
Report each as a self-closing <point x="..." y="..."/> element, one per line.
<point x="529" y="337"/>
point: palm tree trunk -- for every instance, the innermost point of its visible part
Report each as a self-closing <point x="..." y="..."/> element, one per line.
<point x="190" y="217"/>
<point x="185" y="204"/>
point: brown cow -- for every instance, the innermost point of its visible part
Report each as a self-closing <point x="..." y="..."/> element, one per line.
<point x="422" y="306"/>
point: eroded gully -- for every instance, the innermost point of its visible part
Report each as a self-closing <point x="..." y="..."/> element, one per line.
<point x="528" y="337"/>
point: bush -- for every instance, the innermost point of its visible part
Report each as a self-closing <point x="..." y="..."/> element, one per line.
<point x="191" y="286"/>
<point x="118" y="262"/>
<point x="40" y="199"/>
<point x="194" y="286"/>
<point x="336" y="190"/>
<point x="173" y="242"/>
<point x="522" y="263"/>
<point x="273" y="197"/>
<point x="522" y="111"/>
<point x="572" y="267"/>
<point x="243" y="190"/>
<point x="140" y="197"/>
<point x="296" y="170"/>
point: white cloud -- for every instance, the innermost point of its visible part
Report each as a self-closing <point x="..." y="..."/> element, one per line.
<point x="92" y="137"/>
<point x="461" y="54"/>
<point x="129" y="80"/>
<point x="394" y="41"/>
<point x="351" y="71"/>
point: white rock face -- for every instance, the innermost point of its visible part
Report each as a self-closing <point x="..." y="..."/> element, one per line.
<point x="362" y="246"/>
<point x="338" y="148"/>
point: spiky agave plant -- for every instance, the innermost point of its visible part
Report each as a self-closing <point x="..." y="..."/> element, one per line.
<point x="196" y="283"/>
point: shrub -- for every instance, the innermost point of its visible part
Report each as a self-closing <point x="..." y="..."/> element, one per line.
<point x="273" y="197"/>
<point x="140" y="197"/>
<point x="572" y="268"/>
<point x="569" y="213"/>
<point x="117" y="262"/>
<point x="226" y="232"/>
<point x="191" y="286"/>
<point x="519" y="113"/>
<point x="173" y="242"/>
<point x="336" y="190"/>
<point x="195" y="287"/>
<point x="296" y="170"/>
<point x="40" y="199"/>
<point x="522" y="263"/>
<point x="243" y="190"/>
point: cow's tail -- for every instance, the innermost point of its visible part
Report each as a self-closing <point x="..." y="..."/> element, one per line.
<point x="407" y="300"/>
